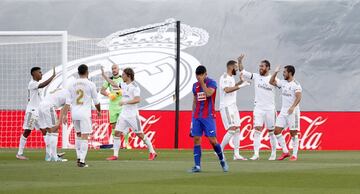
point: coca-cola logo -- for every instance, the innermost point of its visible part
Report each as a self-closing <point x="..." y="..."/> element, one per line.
<point x="310" y="138"/>
<point x="100" y="134"/>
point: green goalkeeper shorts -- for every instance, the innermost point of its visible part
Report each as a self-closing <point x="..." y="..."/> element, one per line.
<point x="114" y="115"/>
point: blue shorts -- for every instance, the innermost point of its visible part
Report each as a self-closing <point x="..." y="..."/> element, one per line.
<point x="203" y="125"/>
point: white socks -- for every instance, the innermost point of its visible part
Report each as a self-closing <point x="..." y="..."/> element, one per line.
<point x="22" y="145"/>
<point x="295" y="141"/>
<point x="77" y="146"/>
<point x="226" y="139"/>
<point x="282" y="143"/>
<point x="53" y="141"/>
<point x="83" y="149"/>
<point x="273" y="142"/>
<point x="47" y="144"/>
<point x="257" y="142"/>
<point x="149" y="144"/>
<point x="117" y="143"/>
<point x="236" y="141"/>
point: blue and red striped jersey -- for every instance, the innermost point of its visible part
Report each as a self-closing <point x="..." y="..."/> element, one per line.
<point x="205" y="106"/>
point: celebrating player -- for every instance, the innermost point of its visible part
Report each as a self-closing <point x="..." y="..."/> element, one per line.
<point x="264" y="110"/>
<point x="32" y="112"/>
<point x="290" y="111"/>
<point x="115" y="96"/>
<point x="81" y="94"/>
<point x="228" y="108"/>
<point x="129" y="116"/>
<point x="48" y="121"/>
<point x="203" y="117"/>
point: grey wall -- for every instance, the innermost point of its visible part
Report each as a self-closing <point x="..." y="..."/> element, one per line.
<point x="321" y="38"/>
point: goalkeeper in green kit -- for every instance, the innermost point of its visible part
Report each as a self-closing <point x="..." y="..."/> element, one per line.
<point x="115" y="96"/>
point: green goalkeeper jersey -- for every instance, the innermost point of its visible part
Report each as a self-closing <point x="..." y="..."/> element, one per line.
<point x="114" y="104"/>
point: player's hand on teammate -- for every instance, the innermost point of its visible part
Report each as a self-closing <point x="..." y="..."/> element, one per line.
<point x="99" y="114"/>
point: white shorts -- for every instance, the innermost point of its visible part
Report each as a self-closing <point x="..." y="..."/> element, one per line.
<point x="83" y="126"/>
<point x="289" y="121"/>
<point x="31" y="120"/>
<point x="47" y="116"/>
<point x="230" y="116"/>
<point x="123" y="124"/>
<point x="266" y="117"/>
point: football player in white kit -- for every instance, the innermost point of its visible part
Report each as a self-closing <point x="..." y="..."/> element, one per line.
<point x="82" y="92"/>
<point x="289" y="116"/>
<point x="129" y="117"/>
<point x="228" y="108"/>
<point x="32" y="112"/>
<point x="264" y="110"/>
<point x="48" y="120"/>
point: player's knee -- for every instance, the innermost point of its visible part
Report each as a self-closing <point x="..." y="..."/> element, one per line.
<point x="26" y="133"/>
<point x="197" y="140"/>
<point x="293" y="133"/>
<point x="43" y="131"/>
<point x="117" y="134"/>
<point x="258" y="128"/>
<point x="212" y="141"/>
<point x="140" y="135"/>
<point x="277" y="131"/>
<point x="233" y="128"/>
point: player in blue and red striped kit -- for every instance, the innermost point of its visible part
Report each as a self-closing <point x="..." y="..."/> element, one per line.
<point x="203" y="117"/>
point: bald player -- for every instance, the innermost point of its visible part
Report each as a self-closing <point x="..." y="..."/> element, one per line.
<point x="115" y="97"/>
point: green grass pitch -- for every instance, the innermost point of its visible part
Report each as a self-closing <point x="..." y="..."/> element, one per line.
<point x="314" y="172"/>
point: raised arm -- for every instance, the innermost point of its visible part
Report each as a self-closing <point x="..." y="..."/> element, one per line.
<point x="111" y="82"/>
<point x="240" y="58"/>
<point x="45" y="83"/>
<point x="208" y="91"/>
<point x="273" y="76"/>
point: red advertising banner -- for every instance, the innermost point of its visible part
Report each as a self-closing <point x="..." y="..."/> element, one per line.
<point x="319" y="131"/>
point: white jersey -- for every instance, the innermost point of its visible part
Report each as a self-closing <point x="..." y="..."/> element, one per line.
<point x="56" y="98"/>
<point x="129" y="92"/>
<point x="264" y="91"/>
<point x="227" y="99"/>
<point x="288" y="90"/>
<point x="34" y="96"/>
<point x="81" y="94"/>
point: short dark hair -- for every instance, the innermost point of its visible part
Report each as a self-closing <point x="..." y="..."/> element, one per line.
<point x="83" y="69"/>
<point x="267" y="63"/>
<point x="231" y="62"/>
<point x="290" y="69"/>
<point x="200" y="70"/>
<point x="34" y="69"/>
<point x="130" y="73"/>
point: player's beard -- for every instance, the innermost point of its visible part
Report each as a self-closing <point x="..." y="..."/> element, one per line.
<point x="262" y="72"/>
<point x="233" y="72"/>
